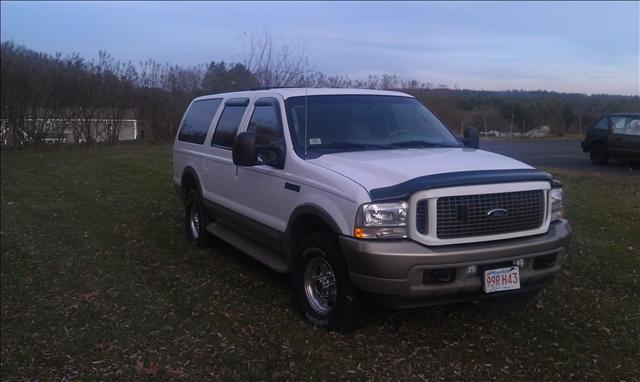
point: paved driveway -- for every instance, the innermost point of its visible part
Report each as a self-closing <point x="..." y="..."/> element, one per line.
<point x="561" y="153"/>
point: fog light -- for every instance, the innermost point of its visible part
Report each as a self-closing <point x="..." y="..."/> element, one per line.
<point x="519" y="263"/>
<point x="439" y="276"/>
<point x="545" y="261"/>
<point x="471" y="271"/>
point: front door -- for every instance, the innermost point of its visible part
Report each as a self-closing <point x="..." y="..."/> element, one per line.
<point x="267" y="197"/>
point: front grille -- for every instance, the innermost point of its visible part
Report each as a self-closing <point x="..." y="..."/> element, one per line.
<point x="467" y="215"/>
<point x="422" y="216"/>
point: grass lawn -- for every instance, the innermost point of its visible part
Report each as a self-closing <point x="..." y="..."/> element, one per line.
<point x="98" y="282"/>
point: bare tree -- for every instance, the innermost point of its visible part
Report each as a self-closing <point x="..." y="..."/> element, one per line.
<point x="43" y="99"/>
<point x="45" y="96"/>
<point x="274" y="62"/>
<point x="116" y="89"/>
<point x="29" y="85"/>
<point x="87" y="106"/>
<point x="163" y="93"/>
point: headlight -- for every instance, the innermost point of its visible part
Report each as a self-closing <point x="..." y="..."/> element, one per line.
<point x="557" y="205"/>
<point x="381" y="220"/>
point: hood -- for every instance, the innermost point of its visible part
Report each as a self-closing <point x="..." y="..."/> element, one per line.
<point x="383" y="168"/>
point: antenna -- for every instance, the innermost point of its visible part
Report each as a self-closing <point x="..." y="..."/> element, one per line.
<point x="306" y="96"/>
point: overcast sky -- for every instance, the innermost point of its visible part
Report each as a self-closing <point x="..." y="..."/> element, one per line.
<point x="586" y="47"/>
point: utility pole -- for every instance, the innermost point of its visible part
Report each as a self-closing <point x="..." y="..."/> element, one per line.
<point x="580" y="123"/>
<point x="484" y="119"/>
<point x="512" y="124"/>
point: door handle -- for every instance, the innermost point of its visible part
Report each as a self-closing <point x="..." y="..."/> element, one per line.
<point x="292" y="187"/>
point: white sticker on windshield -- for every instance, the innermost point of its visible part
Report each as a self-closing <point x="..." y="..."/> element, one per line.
<point x="315" y="141"/>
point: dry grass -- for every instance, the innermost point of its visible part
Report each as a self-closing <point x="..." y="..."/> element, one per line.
<point x="99" y="283"/>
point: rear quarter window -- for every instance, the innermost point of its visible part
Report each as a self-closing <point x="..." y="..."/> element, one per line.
<point x="197" y="120"/>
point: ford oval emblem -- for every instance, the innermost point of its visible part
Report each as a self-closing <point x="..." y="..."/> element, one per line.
<point x="497" y="213"/>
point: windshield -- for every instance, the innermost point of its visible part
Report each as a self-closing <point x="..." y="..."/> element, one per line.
<point x="363" y="122"/>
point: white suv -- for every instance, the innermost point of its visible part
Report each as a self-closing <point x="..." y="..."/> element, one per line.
<point x="365" y="195"/>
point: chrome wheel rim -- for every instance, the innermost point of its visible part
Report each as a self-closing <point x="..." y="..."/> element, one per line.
<point x="320" y="285"/>
<point x="194" y="221"/>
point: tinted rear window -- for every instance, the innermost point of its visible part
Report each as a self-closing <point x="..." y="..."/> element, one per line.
<point x="197" y="120"/>
<point x="228" y="125"/>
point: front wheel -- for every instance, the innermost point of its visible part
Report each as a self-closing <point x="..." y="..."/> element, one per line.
<point x="321" y="284"/>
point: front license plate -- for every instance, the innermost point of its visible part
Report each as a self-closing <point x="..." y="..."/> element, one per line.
<point x="499" y="279"/>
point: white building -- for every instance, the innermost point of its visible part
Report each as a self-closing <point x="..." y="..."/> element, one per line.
<point x="71" y="130"/>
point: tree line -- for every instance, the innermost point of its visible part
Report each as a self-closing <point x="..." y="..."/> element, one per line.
<point x="44" y="96"/>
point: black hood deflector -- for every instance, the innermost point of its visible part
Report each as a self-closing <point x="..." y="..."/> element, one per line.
<point x="463" y="178"/>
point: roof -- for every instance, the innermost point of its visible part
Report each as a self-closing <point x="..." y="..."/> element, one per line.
<point x="297" y="92"/>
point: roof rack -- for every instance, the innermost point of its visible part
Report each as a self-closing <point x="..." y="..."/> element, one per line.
<point x="272" y="87"/>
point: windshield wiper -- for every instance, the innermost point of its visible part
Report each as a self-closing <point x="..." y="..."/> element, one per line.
<point x="418" y="143"/>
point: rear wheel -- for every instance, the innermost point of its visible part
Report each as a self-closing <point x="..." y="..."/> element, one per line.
<point x="196" y="221"/>
<point x="322" y="289"/>
<point x="599" y="154"/>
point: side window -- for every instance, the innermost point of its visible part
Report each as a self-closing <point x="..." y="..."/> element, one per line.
<point x="197" y="120"/>
<point x="265" y="122"/>
<point x="603" y="124"/>
<point x="625" y="125"/>
<point x="228" y="124"/>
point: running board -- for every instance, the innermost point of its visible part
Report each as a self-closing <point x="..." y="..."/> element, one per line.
<point x="258" y="252"/>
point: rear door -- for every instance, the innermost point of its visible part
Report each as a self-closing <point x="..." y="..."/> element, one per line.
<point x="624" y="137"/>
<point x="220" y="171"/>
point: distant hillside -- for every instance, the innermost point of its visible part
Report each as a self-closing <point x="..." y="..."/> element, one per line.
<point x="521" y="111"/>
<point x="37" y="88"/>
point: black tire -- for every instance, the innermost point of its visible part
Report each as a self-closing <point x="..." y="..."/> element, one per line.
<point x="599" y="154"/>
<point x="198" y="236"/>
<point x="345" y="308"/>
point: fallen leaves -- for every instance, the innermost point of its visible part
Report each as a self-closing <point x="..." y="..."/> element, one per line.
<point x="136" y="302"/>
<point x="152" y="369"/>
<point x="90" y="297"/>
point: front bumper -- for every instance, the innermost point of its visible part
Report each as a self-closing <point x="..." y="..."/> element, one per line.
<point x="396" y="268"/>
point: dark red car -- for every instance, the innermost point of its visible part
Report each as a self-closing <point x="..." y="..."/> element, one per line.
<point x="614" y="136"/>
